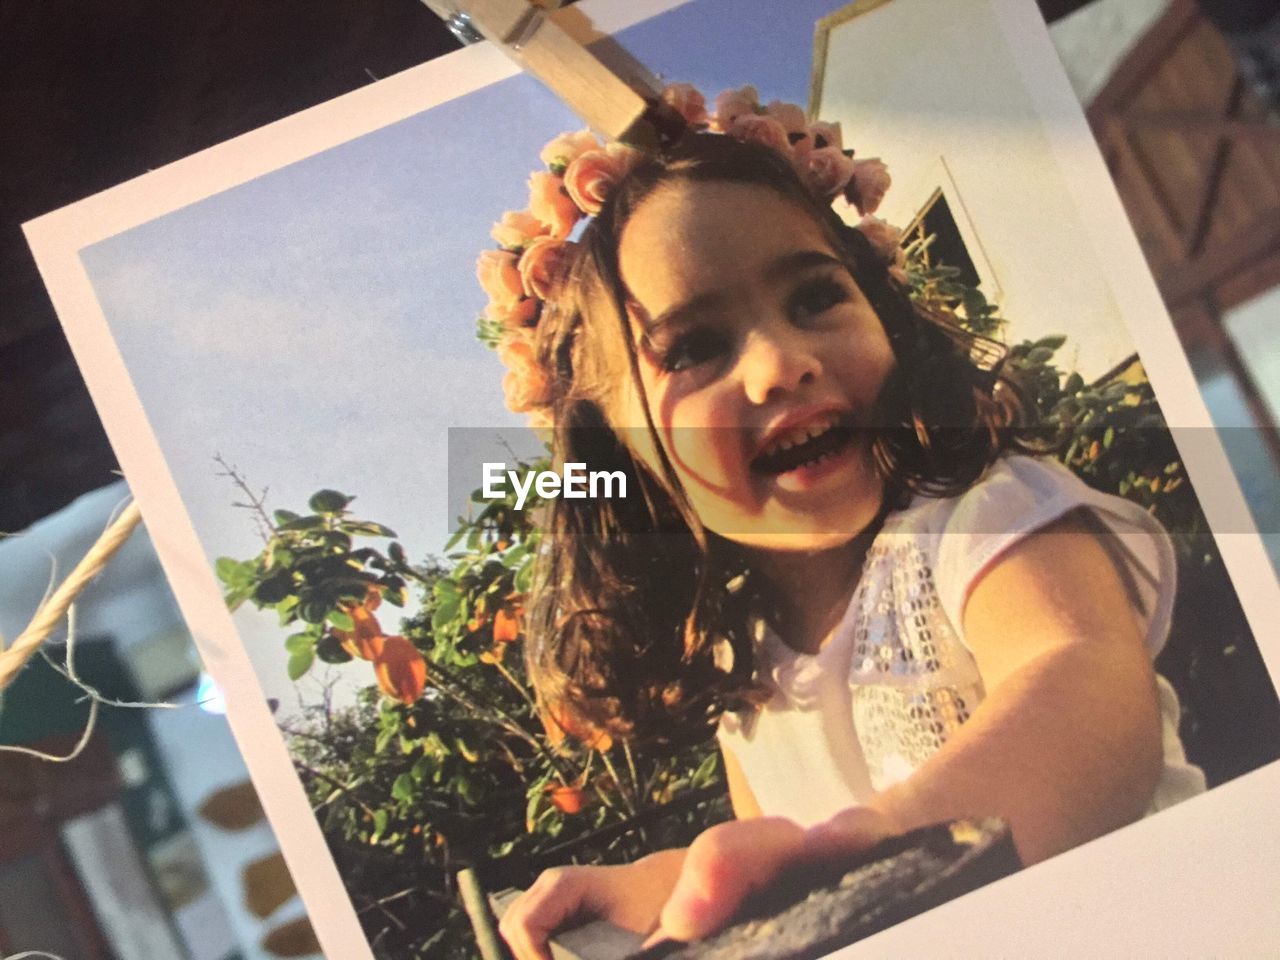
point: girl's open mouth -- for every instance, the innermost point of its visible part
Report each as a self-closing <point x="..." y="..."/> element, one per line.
<point x="805" y="447"/>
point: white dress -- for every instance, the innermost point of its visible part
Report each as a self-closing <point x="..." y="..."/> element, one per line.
<point x="896" y="679"/>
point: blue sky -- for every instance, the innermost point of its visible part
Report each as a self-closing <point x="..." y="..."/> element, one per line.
<point x="316" y="326"/>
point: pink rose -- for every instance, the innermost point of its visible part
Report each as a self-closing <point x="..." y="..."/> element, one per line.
<point x="827" y="171"/>
<point x="497" y="273"/>
<point x="515" y="229"/>
<point x="751" y="127"/>
<point x="685" y="99"/>
<point x="553" y="207"/>
<point x="542" y="265"/>
<point x="566" y="148"/>
<point x="732" y="104"/>
<point x="885" y="238"/>
<point x="826" y="135"/>
<point x="869" y="184"/>
<point x="517" y="316"/>
<point x="591" y="178"/>
<point x="525" y="385"/>
<point x="790" y="115"/>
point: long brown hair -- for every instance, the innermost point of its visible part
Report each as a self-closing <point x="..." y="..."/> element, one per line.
<point x="640" y="623"/>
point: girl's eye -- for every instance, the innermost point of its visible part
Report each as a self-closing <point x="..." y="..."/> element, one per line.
<point x="692" y="349"/>
<point x="815" y="297"/>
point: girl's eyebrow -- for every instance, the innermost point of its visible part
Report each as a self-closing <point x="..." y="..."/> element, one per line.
<point x="790" y="263"/>
<point x="778" y="270"/>
<point x="681" y="313"/>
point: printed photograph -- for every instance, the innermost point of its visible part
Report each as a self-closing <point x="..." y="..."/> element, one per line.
<point x="730" y="545"/>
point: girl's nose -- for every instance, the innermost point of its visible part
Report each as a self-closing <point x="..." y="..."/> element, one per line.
<point x="775" y="361"/>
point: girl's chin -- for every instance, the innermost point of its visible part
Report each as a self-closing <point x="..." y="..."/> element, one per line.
<point x="795" y="542"/>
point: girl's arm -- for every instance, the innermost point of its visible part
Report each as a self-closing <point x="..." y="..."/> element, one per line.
<point x="1066" y="746"/>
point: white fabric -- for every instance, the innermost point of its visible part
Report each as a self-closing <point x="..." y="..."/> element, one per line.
<point x="896" y="679"/>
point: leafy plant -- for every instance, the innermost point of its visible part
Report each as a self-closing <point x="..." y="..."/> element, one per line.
<point x="448" y="761"/>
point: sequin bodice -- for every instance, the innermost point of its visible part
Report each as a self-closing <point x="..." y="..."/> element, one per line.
<point x="912" y="681"/>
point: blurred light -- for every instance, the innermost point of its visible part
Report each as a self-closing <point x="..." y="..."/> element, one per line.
<point x="209" y="697"/>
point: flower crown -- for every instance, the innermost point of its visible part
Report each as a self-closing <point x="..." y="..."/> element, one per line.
<point x="581" y="174"/>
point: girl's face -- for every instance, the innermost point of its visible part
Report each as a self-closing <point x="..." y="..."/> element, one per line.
<point x="761" y="361"/>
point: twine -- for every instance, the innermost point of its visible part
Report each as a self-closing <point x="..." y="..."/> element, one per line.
<point x="50" y="613"/>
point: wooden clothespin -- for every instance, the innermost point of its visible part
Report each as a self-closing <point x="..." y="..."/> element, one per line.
<point x="608" y="103"/>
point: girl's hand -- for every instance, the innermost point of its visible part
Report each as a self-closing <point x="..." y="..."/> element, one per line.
<point x="629" y="896"/>
<point x="729" y="862"/>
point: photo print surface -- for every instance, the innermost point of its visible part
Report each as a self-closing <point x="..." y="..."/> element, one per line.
<point x="283" y="337"/>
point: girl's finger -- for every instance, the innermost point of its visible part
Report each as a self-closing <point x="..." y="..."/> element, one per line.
<point x="724" y="865"/>
<point x="528" y="923"/>
<point x="849" y="833"/>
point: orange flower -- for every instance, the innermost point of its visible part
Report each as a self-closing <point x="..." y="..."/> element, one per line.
<point x="400" y="669"/>
<point x="506" y="622"/>
<point x="542" y="265"/>
<point x="497" y="273"/>
<point x="552" y="205"/>
<point x="868" y="184"/>
<point x="558" y="721"/>
<point x="568" y="800"/>
<point x="506" y="626"/>
<point x="515" y="229"/>
<point x="761" y="129"/>
<point x="732" y="104"/>
<point x="685" y="99"/>
<point x="494" y="654"/>
<point x="360" y="640"/>
<point x="526" y="385"/>
<point x="828" y="172"/>
<point x="515" y="317"/>
<point x="566" y="148"/>
<point x="592" y="177"/>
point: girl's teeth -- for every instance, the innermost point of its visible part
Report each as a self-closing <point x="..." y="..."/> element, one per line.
<point x="797" y="437"/>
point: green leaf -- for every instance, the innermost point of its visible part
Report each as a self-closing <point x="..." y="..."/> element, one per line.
<point x="300" y="663"/>
<point x="385" y="736"/>
<point x="274" y="589"/>
<point x="524" y="578"/>
<point x="456" y="537"/>
<point x="330" y="649"/>
<point x="284" y="516"/>
<point x="396" y="552"/>
<point x="404" y="789"/>
<point x="300" y="642"/>
<point x="313" y="610"/>
<point x="329" y="501"/>
<point x="368" y="528"/>
<point x="311" y="522"/>
<point x="380" y="818"/>
<point x="1074" y="384"/>
<point x="1108" y="438"/>
<point x="1052" y="343"/>
<point x="340" y="619"/>
<point x="228" y="570"/>
<point x="447" y="610"/>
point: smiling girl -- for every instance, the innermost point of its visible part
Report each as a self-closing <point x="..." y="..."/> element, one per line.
<point x="841" y="557"/>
